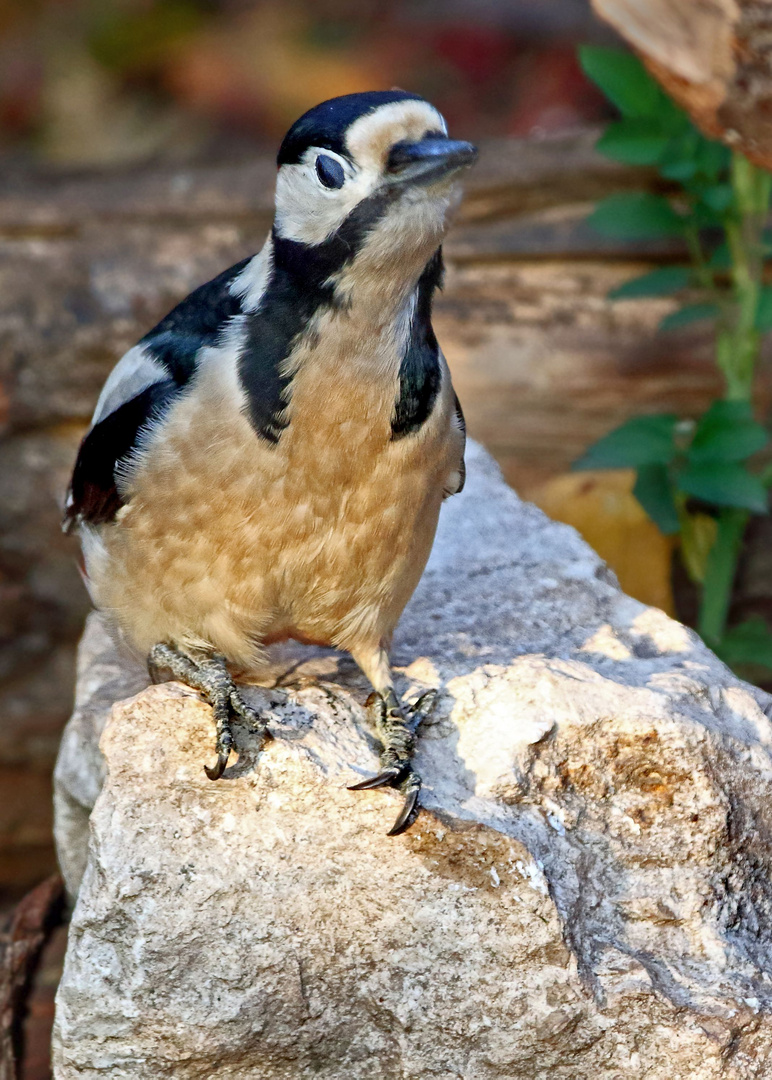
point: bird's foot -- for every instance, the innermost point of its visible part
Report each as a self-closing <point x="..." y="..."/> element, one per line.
<point x="397" y="733"/>
<point x="213" y="680"/>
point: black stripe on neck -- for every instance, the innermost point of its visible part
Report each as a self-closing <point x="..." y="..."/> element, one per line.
<point x="420" y="373"/>
<point x="300" y="285"/>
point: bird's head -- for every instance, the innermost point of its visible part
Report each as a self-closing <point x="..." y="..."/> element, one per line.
<point x="368" y="178"/>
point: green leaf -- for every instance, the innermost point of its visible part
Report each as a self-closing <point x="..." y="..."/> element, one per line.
<point x="644" y="440"/>
<point x="679" y="160"/>
<point x="720" y="258"/>
<point x="713" y="158"/>
<point x="652" y="490"/>
<point x="635" y="141"/>
<point x="724" y="484"/>
<point x="689" y="314"/>
<point x="680" y="171"/>
<point x="727" y="432"/>
<point x="718" y="197"/>
<point x="691" y="157"/>
<point x="661" y="282"/>
<point x="748" y="643"/>
<point x="764" y="310"/>
<point x="622" y="78"/>
<point x="704" y="218"/>
<point x="635" y="216"/>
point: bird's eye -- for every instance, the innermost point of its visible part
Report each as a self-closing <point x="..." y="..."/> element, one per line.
<point x="329" y="171"/>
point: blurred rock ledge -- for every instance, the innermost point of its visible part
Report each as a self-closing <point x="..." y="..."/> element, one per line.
<point x="543" y="362"/>
<point x="585" y="894"/>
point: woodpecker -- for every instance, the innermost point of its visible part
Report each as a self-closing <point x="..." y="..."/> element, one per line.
<point x="269" y="461"/>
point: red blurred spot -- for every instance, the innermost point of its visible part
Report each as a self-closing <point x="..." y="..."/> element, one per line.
<point x="478" y="52"/>
<point x="552" y="94"/>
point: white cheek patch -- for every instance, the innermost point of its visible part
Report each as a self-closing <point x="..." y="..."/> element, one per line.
<point x="309" y="212"/>
<point x="133" y="373"/>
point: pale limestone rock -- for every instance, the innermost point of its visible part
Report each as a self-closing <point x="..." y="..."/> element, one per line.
<point x="586" y="894"/>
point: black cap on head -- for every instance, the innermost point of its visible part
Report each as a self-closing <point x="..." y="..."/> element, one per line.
<point x="325" y="125"/>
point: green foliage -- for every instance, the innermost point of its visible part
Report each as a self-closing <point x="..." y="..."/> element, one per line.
<point x="623" y="79"/>
<point x="636" y="216"/>
<point x="718" y="198"/>
<point x="764" y="310"/>
<point x="709" y="467"/>
<point x="638" y="141"/>
<point x="660" y="282"/>
<point x="727" y="432"/>
<point x="654" y="492"/>
<point x="748" y="643"/>
<point x="694" y="479"/>
<point x="687" y="315"/>
<point x="644" y="440"/>
<point x="722" y="483"/>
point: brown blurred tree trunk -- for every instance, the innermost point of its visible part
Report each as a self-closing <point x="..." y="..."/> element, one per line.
<point x="21" y="940"/>
<point x="714" y="57"/>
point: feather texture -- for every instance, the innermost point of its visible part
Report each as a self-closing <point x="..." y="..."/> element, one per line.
<point x="140" y="391"/>
<point x="270" y="460"/>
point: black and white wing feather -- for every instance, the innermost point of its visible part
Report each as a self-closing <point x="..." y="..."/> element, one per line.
<point x="140" y="390"/>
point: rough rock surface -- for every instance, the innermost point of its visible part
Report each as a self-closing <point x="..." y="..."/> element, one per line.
<point x="587" y="892"/>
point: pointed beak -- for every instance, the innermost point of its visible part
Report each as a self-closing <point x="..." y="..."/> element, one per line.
<point x="428" y="160"/>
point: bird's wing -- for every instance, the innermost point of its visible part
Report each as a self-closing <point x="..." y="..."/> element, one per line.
<point x="140" y="390"/>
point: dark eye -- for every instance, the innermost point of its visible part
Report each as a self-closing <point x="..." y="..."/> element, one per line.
<point x="329" y="171"/>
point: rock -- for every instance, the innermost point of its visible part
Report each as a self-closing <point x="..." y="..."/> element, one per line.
<point x="106" y="674"/>
<point x="586" y="892"/>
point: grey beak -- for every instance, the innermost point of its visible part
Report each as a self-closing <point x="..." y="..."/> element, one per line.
<point x="428" y="160"/>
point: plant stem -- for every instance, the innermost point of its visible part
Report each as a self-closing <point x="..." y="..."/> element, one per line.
<point x="738" y="339"/>
<point x="702" y="271"/>
<point x="720" y="574"/>
<point x="737" y="351"/>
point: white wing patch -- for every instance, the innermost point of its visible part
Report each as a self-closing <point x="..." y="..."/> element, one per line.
<point x="134" y="372"/>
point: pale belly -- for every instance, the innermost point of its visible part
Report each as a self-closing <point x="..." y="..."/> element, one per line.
<point x="230" y="542"/>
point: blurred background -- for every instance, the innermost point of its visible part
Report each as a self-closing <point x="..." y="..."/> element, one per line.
<point x="108" y="82"/>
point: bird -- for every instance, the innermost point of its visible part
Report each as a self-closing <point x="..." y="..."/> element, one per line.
<point x="269" y="461"/>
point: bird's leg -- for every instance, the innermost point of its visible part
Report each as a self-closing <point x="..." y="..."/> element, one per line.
<point x="397" y="735"/>
<point x="212" y="679"/>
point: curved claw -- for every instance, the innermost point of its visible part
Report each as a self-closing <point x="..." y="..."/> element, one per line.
<point x="216" y="772"/>
<point x="422" y="708"/>
<point x="406" y="814"/>
<point x="388" y="776"/>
